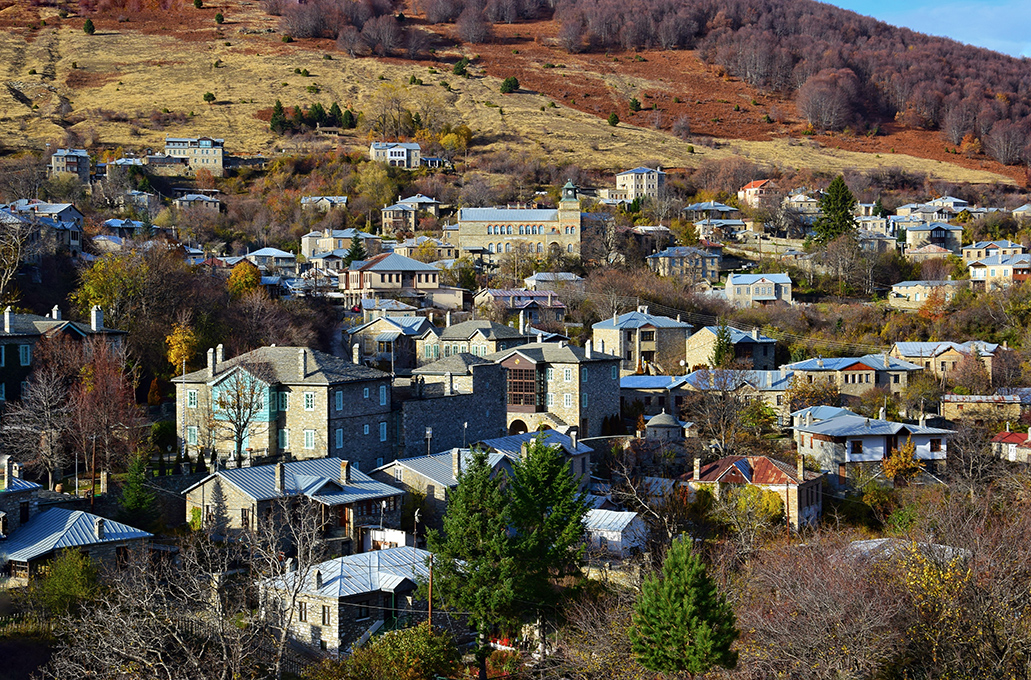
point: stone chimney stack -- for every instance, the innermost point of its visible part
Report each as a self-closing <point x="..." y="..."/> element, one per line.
<point x="601" y="347"/>
<point x="522" y="322"/>
<point x="449" y="384"/>
<point x="211" y="363"/>
<point x="881" y="414"/>
<point x="697" y="469"/>
<point x="318" y="579"/>
<point x="98" y="528"/>
<point x="808" y="418"/>
<point x="574" y="435"/>
<point x="97" y="318"/>
<point x="55" y="313"/>
<point x="447" y="320"/>
<point x="220" y="355"/>
<point x="9" y="468"/>
<point x="356" y="353"/>
<point x="587" y="349"/>
<point x="456" y="462"/>
<point x="7" y="319"/>
<point x="280" y="473"/>
<point x="1029" y="435"/>
<point x="801" y="469"/>
<point x="302" y="362"/>
<point x="923" y="420"/>
<point x="755" y="333"/>
<point x="345" y="471"/>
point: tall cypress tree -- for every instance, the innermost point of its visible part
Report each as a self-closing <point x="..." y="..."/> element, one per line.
<point x="476" y="569"/>
<point x="681" y="623"/>
<point x="278" y="121"/>
<point x="836" y="206"/>
<point x="335" y="115"/>
<point x="723" y="348"/>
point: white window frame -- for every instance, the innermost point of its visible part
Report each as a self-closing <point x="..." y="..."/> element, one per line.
<point x="191" y="435"/>
<point x="284" y="401"/>
<point x="551" y="399"/>
<point x="309" y="439"/>
<point x="284" y="439"/>
<point x="309" y="401"/>
<point x="568" y="375"/>
<point x="567" y="400"/>
<point x="191" y="398"/>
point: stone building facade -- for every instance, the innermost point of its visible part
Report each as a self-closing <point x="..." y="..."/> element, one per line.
<point x="643" y="339"/>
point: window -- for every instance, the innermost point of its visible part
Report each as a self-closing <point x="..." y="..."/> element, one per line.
<point x="583" y="400"/>
<point x="397" y="472"/>
<point x="3" y="355"/>
<point x="366" y="393"/>
<point x="567" y="400"/>
<point x="302" y="611"/>
<point x="340" y="400"/>
<point x="583" y="374"/>
<point x="551" y="399"/>
<point x="309" y="401"/>
<point x="383" y="431"/>
<point x="936" y="445"/>
<point x="325" y="615"/>
<point x="615" y="372"/>
<point x="191" y="398"/>
<point x="25" y="354"/>
<point x="857" y="447"/>
<point x="363" y="611"/>
<point x="284" y="439"/>
<point x="379" y="461"/>
<point x="245" y="517"/>
<point x="551" y="374"/>
<point x="284" y="401"/>
<point x="191" y="435"/>
<point x="309" y="439"/>
<point x="647" y="336"/>
<point x="382" y="395"/>
<point x="366" y="429"/>
<point x="895" y="379"/>
<point x="340" y="438"/>
<point x="568" y="374"/>
<point x="522" y="386"/>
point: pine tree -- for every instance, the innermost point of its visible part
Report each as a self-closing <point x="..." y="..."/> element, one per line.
<point x="277" y="123"/>
<point x="336" y="116"/>
<point x="475" y="568"/>
<point x="547" y="511"/>
<point x="347" y="121"/>
<point x="836" y="206"/>
<point x="88" y="28"/>
<point x="356" y="253"/>
<point x="723" y="348"/>
<point x="879" y="210"/>
<point x="681" y="623"/>
<point x="136" y="506"/>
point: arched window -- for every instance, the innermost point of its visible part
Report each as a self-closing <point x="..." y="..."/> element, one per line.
<point x="569" y="248"/>
<point x="490" y="247"/>
<point x="508" y="247"/>
<point x="540" y="247"/>
<point x="510" y="231"/>
<point x="499" y="248"/>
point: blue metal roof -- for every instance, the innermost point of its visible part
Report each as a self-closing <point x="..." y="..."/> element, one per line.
<point x="773" y="381"/>
<point x="639" y="320"/>
<point x="651" y="382"/>
<point x="911" y="284"/>
<point x="62" y="528"/>
<point x="749" y="279"/>
<point x="933" y="349"/>
<point x="874" y="361"/>
<point x="936" y="225"/>
<point x="737" y="336"/>
<point x="508" y="215"/>
<point x="379" y="570"/>
<point x="513" y="444"/>
<point x="305" y="477"/>
<point x="439" y="467"/>
<point x="858" y="426"/>
<point x="823" y="412"/>
<point x="18" y="484"/>
<point x="640" y="170"/>
<point x="684" y="251"/>
<point x="608" y="520"/>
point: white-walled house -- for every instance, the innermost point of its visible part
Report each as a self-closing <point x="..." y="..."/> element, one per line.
<point x="615" y="533"/>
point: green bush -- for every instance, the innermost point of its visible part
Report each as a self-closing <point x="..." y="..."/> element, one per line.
<point x="198" y="3"/>
<point x="219" y="18"/>
<point x="459" y="69"/>
<point x="509" y="85"/>
<point x="88" y="28"/>
<point x="209" y="97"/>
<point x="634" y="104"/>
<point x="613" y="119"/>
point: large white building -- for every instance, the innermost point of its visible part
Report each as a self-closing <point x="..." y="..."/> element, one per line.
<point x="641" y="183"/>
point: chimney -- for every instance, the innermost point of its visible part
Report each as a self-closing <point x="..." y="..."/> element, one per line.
<point x="1029" y="435"/>
<point x="601" y="346"/>
<point x="211" y="363"/>
<point x="9" y="468"/>
<point x="1007" y="426"/>
<point x="808" y="417"/>
<point x="574" y="435"/>
<point x="219" y="353"/>
<point x="55" y="313"/>
<point x="801" y="469"/>
<point x="697" y="468"/>
<point x="867" y="423"/>
<point x="563" y="343"/>
<point x="356" y="354"/>
<point x="923" y="420"/>
<point x="7" y="319"/>
<point x="755" y="333"/>
<point x="449" y="384"/>
<point x="318" y="579"/>
<point x="1005" y="343"/>
<point x="523" y="449"/>
<point x="280" y="478"/>
<point x="549" y="298"/>
<point x="447" y="320"/>
<point x="96" y="318"/>
<point x="587" y="349"/>
<point x="881" y="415"/>
<point x="456" y="462"/>
<point x="615" y="317"/>
<point x="819" y="362"/>
<point x="522" y="322"/>
<point x="302" y="362"/>
<point x="98" y="528"/>
<point x="345" y="471"/>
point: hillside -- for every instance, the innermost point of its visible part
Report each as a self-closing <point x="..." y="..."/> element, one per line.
<point x="138" y="80"/>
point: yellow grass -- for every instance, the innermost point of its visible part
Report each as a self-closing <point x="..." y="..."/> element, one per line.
<point x="140" y="73"/>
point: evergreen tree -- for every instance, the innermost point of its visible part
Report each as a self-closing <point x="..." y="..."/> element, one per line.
<point x="681" y="623"/>
<point x="316" y="114"/>
<point x="547" y="511"/>
<point x="335" y="117"/>
<point x="723" y="349"/>
<point x="356" y="253"/>
<point x="878" y="209"/>
<point x="347" y="121"/>
<point x="278" y="122"/>
<point x="836" y="204"/>
<point x="136" y="506"/>
<point x="475" y="568"/>
<point x="88" y="28"/>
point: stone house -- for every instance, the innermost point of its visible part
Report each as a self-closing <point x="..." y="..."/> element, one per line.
<point x="396" y="154"/>
<point x="756" y="192"/>
<point x="770" y="386"/>
<point x="398" y="277"/>
<point x="941" y="358"/>
<point x="397" y="218"/>
<point x="199" y="202"/>
<point x="19" y="498"/>
<point x="73" y="161"/>
<point x="748" y="290"/>
<point x="948" y="236"/>
<point x="558" y="385"/>
<point x="982" y="249"/>
<point x="296" y="402"/>
<point x="345" y="600"/>
<point x="856" y="375"/>
<point x="643" y="340"/>
<point x="751" y="349"/>
<point x="323" y="203"/>
<point x="913" y="295"/>
<point x="396" y="343"/>
<point x="331" y="240"/>
<point x="553" y="281"/>
<point x="999" y="271"/>
<point x="21" y="333"/>
<point x="576" y="452"/>
<point x="800" y="490"/>
<point x="350" y="501"/>
<point x="50" y="227"/>
<point x="1012" y="446"/>
<point x="478" y="337"/>
<point x="200" y="153"/>
<point x="272" y="259"/>
<point x="847" y="444"/>
<point x="981" y="408"/>
<point x="442" y="250"/>
<point x="531" y="306"/>
<point x="686" y="264"/>
<point x="641" y="183"/>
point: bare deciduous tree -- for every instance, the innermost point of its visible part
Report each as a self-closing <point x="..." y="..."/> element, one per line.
<point x="34" y="428"/>
<point x="237" y="401"/>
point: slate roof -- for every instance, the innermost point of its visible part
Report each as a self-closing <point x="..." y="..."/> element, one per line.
<point x="651" y="382"/>
<point x="439" y="467"/>
<point x="519" y="298"/>
<point x="911" y="284"/>
<point x="608" y="520"/>
<point x="933" y="349"/>
<point x="419" y="199"/>
<point x="271" y="252"/>
<point x="491" y="330"/>
<point x="683" y="251"/>
<point x="410" y="146"/>
<point x="406" y="325"/>
<point x="709" y="205"/>
<point x="663" y="420"/>
<point x="992" y="244"/>
<point x="333" y="200"/>
<point x="858" y="426"/>
<point x="874" y="361"/>
<point x="541" y="277"/>
<point x="639" y="320"/>
<point x="318" y="479"/>
<point x="62" y="528"/>
<point x="323" y="369"/>
<point x="823" y="412"/>
<point x="72" y="152"/>
<point x="456" y="364"/>
<point x="399" y="207"/>
<point x="1013" y="260"/>
<point x="392" y="262"/>
<point x="35" y="325"/>
<point x="508" y="215"/>
<point x="343" y="233"/>
<point x="552" y="353"/>
<point x="936" y="225"/>
<point x="379" y="570"/>
<point x="386" y="304"/>
<point x="980" y="399"/>
<point x="512" y="445"/>
<point x="753" y="470"/>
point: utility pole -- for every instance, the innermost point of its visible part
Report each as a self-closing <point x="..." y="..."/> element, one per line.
<point x="430" y="595"/>
<point x="93" y="475"/>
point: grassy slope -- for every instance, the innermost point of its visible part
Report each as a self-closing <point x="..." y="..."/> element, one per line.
<point x="127" y="71"/>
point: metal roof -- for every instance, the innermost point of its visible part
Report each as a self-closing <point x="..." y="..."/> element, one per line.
<point x="491" y="330"/>
<point x="640" y="170"/>
<point x="772" y="381"/>
<point x="512" y="445"/>
<point x="456" y="364"/>
<point x="858" y="426"/>
<point x="15" y="484"/>
<point x="823" y="412"/>
<point x="933" y="349"/>
<point x="318" y="479"/>
<point x="379" y="570"/>
<point x="683" y="251"/>
<point x="737" y="336"/>
<point x="980" y="399"/>
<point x="439" y="467"/>
<point x="403" y="325"/>
<point x="932" y="284"/>
<point x="639" y="320"/>
<point x="749" y="279"/>
<point x="608" y="520"/>
<point x="392" y="262"/>
<point x="62" y="528"/>
<point x="874" y="361"/>
<point x="651" y="382"/>
<point x="508" y="215"/>
<point x="936" y="225"/>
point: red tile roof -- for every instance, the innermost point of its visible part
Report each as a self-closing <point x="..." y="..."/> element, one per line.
<point x="749" y="469"/>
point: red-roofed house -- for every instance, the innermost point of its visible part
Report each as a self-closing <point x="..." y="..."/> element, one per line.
<point x="800" y="490"/>
<point x="1012" y="446"/>
<point x="754" y="192"/>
